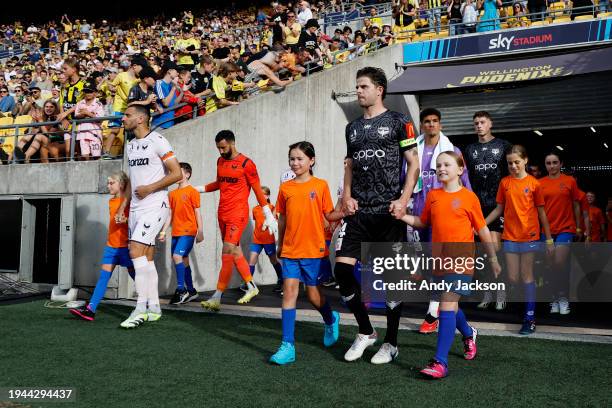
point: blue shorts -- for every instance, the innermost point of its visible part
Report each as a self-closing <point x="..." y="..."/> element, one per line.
<point x="117" y="256"/>
<point x="182" y="245"/>
<point x="563" y="238"/>
<point x="117" y="122"/>
<point x="455" y="279"/>
<point x="306" y="269"/>
<point x="269" y="248"/>
<point x="513" y="247"/>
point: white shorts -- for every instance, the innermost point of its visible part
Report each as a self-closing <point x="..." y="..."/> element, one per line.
<point x="91" y="147"/>
<point x="144" y="226"/>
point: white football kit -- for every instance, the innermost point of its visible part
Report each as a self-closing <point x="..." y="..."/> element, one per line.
<point x="146" y="159"/>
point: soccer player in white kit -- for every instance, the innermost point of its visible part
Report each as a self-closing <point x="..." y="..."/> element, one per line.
<point x="153" y="167"/>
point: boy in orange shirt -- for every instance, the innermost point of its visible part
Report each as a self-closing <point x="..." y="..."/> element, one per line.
<point x="264" y="240"/>
<point x="302" y="203"/>
<point x="186" y="228"/>
<point x="116" y="250"/>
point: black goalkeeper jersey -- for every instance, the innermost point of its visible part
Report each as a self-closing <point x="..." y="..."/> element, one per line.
<point x="487" y="165"/>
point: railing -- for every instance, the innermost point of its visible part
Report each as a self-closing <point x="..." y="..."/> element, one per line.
<point x="424" y="14"/>
<point x="74" y="128"/>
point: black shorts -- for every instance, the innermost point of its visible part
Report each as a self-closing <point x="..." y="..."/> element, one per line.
<point x="362" y="227"/>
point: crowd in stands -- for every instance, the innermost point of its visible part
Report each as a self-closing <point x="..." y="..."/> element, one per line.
<point x="186" y="66"/>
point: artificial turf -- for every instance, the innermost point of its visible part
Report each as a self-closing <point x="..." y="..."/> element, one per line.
<point x="212" y="360"/>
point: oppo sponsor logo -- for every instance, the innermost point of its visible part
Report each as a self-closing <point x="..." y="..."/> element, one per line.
<point x="368" y="154"/>
<point x="486" y="166"/>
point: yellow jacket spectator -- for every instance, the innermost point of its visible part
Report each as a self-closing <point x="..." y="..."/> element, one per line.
<point x="228" y="72"/>
<point x="186" y="47"/>
<point x="292" y="30"/>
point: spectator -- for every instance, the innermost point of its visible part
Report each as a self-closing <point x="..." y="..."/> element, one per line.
<point x="267" y="65"/>
<point x="228" y="71"/>
<point x="291" y="30"/>
<point x="455" y="18"/>
<point x="192" y="101"/>
<point x="143" y="92"/>
<point x="376" y="20"/>
<point x="31" y="142"/>
<point x="35" y="94"/>
<point x="519" y="16"/>
<point x="279" y="16"/>
<point x="403" y="18"/>
<point x="489" y="19"/>
<point x="188" y="48"/>
<point x="469" y="17"/>
<point x="89" y="134"/>
<point x="434" y="15"/>
<point x="585" y="8"/>
<point x="57" y="145"/>
<point x="537" y="9"/>
<point x="305" y="13"/>
<point x="203" y="77"/>
<point x="7" y="102"/>
<point x="42" y="81"/>
<point x="308" y="38"/>
<point x="168" y="95"/>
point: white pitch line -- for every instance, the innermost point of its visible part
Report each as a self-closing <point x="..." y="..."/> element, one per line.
<point x="577" y="334"/>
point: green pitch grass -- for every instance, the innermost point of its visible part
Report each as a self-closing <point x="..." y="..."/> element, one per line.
<point x="206" y="360"/>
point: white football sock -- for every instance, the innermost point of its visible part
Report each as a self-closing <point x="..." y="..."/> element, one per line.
<point x="152" y="285"/>
<point x="433" y="308"/>
<point x="140" y="282"/>
<point x="216" y="295"/>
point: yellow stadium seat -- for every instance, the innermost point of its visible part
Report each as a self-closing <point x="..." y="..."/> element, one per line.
<point x="605" y="15"/>
<point x="538" y="23"/>
<point x="557" y="9"/>
<point x="583" y="18"/>
<point x="22" y="120"/>
<point x="442" y="33"/>
<point x="562" y="19"/>
<point x="5" y="121"/>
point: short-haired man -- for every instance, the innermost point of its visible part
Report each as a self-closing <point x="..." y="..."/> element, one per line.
<point x="486" y="163"/>
<point x="377" y="143"/>
<point x="236" y="176"/>
<point x="153" y="167"/>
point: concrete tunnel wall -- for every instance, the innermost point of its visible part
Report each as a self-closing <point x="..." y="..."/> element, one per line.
<point x="264" y="128"/>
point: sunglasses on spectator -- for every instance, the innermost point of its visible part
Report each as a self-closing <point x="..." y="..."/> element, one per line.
<point x="3" y="91"/>
<point x="18" y="90"/>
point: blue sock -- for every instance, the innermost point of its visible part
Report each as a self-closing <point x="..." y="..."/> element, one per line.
<point x="446" y="335"/>
<point x="189" y="279"/>
<point x="99" y="290"/>
<point x="132" y="274"/>
<point x="180" y="275"/>
<point x="462" y="325"/>
<point x="279" y="271"/>
<point x="530" y="297"/>
<point x="326" y="313"/>
<point x="288" y="316"/>
<point x="326" y="271"/>
<point x="252" y="269"/>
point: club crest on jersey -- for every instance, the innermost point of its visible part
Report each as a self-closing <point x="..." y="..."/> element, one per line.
<point x="495" y="152"/>
<point x="456" y="203"/>
<point x="383" y="131"/>
<point x="526" y="191"/>
<point x="475" y="154"/>
<point x="353" y="136"/>
<point x="312" y="195"/>
<point x="144" y="147"/>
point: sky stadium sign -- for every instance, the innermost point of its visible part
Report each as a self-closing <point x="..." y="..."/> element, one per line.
<point x="509" y="40"/>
